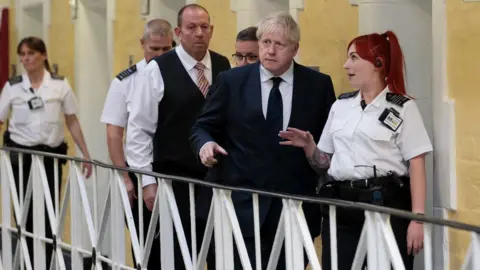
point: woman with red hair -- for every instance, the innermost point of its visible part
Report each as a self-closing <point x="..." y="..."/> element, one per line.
<point x="374" y="145"/>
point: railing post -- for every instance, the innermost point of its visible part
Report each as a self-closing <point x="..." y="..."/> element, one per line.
<point x="38" y="214"/>
<point x="6" y="214"/>
<point x="166" y="229"/>
<point x="293" y="241"/>
<point x="116" y="223"/>
<point x="76" y="222"/>
<point x="371" y="241"/>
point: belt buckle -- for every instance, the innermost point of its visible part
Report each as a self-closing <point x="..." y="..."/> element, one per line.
<point x="365" y="181"/>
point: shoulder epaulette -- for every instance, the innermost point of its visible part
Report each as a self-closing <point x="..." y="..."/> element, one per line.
<point x="57" y="77"/>
<point x="127" y="72"/>
<point x="348" y="95"/>
<point x="15" y="80"/>
<point x="397" y="99"/>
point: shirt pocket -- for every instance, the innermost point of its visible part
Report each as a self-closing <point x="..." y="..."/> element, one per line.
<point x="21" y="113"/>
<point x="337" y="125"/>
<point x="376" y="131"/>
<point x="53" y="107"/>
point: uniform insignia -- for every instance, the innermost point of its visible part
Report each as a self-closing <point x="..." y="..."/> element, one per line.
<point x="397" y="99"/>
<point x="57" y="77"/>
<point x="348" y="95"/>
<point x="127" y="72"/>
<point x="15" y="80"/>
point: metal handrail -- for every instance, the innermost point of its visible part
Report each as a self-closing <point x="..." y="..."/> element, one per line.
<point x="339" y="203"/>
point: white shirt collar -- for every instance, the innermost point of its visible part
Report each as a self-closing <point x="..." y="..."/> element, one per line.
<point x="189" y="62"/>
<point x="140" y="65"/>
<point x="26" y="84"/>
<point x="377" y="101"/>
<point x="287" y="76"/>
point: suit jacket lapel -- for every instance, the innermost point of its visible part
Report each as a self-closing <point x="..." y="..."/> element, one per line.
<point x="253" y="94"/>
<point x="215" y="68"/>
<point x="299" y="95"/>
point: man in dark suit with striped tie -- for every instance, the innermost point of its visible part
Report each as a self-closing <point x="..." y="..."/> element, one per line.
<point x="164" y="108"/>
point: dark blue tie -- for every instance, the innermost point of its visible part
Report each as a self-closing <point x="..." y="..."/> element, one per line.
<point x="275" y="109"/>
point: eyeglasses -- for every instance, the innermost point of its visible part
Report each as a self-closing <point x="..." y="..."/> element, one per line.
<point x="240" y="58"/>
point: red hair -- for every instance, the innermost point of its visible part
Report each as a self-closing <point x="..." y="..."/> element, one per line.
<point x="384" y="48"/>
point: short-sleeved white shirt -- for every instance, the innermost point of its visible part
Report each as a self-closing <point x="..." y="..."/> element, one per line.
<point x="359" y="140"/>
<point x="116" y="107"/>
<point x="44" y="125"/>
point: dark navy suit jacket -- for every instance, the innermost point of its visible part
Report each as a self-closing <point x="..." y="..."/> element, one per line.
<point x="233" y="117"/>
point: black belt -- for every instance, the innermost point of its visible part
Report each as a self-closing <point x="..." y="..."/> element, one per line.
<point x="61" y="149"/>
<point x="389" y="179"/>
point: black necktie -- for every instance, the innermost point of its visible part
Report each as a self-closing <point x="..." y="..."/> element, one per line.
<point x="275" y="108"/>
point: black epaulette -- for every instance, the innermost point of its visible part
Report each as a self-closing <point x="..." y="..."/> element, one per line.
<point x="57" y="77"/>
<point x="348" y="95"/>
<point x="397" y="99"/>
<point x="127" y="72"/>
<point x="15" y="80"/>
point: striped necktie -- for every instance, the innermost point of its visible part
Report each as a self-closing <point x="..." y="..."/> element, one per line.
<point x="202" y="81"/>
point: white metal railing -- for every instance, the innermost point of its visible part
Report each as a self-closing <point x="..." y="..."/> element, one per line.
<point x="292" y="231"/>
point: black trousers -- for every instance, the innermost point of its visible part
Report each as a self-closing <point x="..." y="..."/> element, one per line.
<point x="268" y="231"/>
<point x="154" y="258"/>
<point x="349" y="227"/>
<point x="49" y="169"/>
<point x="182" y="197"/>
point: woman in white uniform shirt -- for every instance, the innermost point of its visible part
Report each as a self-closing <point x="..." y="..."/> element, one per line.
<point x="37" y="100"/>
<point x="375" y="133"/>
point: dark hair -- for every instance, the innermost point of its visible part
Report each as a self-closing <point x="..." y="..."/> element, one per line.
<point x="383" y="51"/>
<point x="180" y="12"/>
<point x="248" y="34"/>
<point x="35" y="44"/>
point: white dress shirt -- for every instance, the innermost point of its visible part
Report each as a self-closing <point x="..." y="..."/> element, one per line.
<point x="286" y="90"/>
<point x="358" y="139"/>
<point x="43" y="125"/>
<point x="115" y="109"/>
<point x="143" y="108"/>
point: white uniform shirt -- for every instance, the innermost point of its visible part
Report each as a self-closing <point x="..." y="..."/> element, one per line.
<point x="115" y="109"/>
<point x="143" y="108"/>
<point x="40" y="126"/>
<point x="359" y="140"/>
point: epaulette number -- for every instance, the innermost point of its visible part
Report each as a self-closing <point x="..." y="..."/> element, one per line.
<point x="127" y="72"/>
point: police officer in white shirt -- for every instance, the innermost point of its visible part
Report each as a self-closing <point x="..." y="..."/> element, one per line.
<point x="157" y="39"/>
<point x="37" y="101"/>
<point x="374" y="145"/>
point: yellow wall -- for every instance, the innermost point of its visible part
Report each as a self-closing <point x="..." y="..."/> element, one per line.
<point x="463" y="37"/>
<point x="127" y="31"/>
<point x="224" y="21"/>
<point x="324" y="43"/>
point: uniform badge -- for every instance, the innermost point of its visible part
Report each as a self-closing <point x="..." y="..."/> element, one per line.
<point x="391" y="119"/>
<point x="35" y="103"/>
<point x="127" y="72"/>
<point x="15" y="80"/>
<point x="348" y="95"/>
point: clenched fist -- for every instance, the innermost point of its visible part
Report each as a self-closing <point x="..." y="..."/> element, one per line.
<point x="208" y="152"/>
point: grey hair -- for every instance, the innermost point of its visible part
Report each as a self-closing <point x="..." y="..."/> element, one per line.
<point x="280" y="21"/>
<point x="158" y="27"/>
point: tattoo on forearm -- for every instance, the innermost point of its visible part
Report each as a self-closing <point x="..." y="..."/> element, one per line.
<point x="319" y="161"/>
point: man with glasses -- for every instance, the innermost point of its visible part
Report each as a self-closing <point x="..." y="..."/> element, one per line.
<point x="246" y="47"/>
<point x="164" y="108"/>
